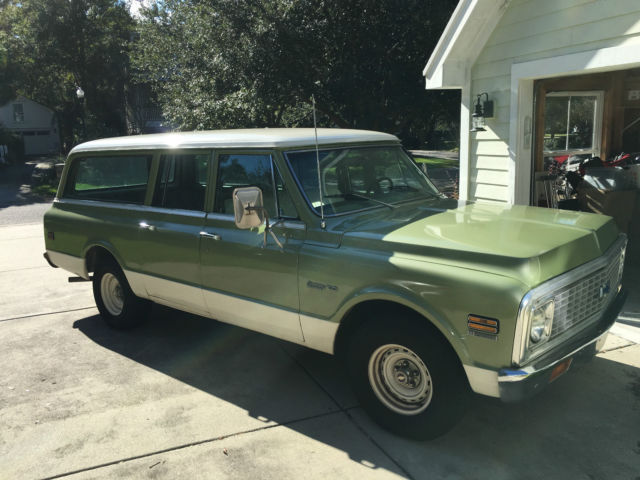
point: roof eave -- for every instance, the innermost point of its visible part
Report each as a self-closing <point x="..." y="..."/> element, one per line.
<point x="464" y="37"/>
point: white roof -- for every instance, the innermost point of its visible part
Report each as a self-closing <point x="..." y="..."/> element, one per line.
<point x="464" y="37"/>
<point x="248" y="138"/>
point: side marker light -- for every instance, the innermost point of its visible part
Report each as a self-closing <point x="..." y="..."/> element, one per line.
<point x="483" y="324"/>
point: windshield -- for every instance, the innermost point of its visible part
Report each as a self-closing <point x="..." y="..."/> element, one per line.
<point x="359" y="177"/>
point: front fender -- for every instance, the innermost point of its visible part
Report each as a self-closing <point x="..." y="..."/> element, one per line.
<point x="402" y="295"/>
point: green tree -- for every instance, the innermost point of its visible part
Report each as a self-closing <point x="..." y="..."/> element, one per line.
<point x="222" y="64"/>
<point x="50" y="47"/>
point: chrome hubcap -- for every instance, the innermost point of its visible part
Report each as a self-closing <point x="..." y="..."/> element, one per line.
<point x="400" y="379"/>
<point x="112" y="295"/>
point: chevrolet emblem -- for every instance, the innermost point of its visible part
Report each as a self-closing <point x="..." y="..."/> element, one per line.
<point x="605" y="288"/>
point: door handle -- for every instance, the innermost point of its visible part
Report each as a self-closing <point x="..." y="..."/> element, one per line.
<point x="212" y="236"/>
<point x="146" y="226"/>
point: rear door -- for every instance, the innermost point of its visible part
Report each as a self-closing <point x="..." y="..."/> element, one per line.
<point x="170" y="231"/>
<point x="245" y="281"/>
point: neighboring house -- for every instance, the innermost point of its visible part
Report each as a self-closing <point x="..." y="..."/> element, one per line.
<point x="564" y="78"/>
<point x="35" y="123"/>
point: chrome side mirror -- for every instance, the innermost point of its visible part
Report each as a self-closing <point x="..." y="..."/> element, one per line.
<point x="248" y="207"/>
<point x="250" y="212"/>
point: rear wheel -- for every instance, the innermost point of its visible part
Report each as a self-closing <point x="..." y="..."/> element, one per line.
<point x="118" y="305"/>
<point x="407" y="378"/>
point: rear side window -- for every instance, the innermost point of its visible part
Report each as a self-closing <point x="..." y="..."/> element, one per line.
<point x="110" y="179"/>
<point x="182" y="181"/>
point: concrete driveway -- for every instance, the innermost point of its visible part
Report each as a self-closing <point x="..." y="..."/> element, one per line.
<point x="188" y="397"/>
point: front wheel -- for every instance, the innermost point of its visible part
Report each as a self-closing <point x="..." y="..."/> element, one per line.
<point x="118" y="305"/>
<point x="407" y="378"/>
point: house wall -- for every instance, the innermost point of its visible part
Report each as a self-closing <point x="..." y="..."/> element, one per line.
<point x="39" y="128"/>
<point x="532" y="30"/>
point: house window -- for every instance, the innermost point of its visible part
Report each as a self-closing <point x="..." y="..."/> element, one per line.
<point x="573" y="124"/>
<point x="18" y="113"/>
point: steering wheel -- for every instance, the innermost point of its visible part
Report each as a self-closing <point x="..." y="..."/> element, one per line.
<point x="381" y="184"/>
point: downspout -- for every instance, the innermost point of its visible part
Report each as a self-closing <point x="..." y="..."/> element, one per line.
<point x="465" y="138"/>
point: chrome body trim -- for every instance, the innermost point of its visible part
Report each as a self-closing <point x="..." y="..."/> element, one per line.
<point x="555" y="284"/>
<point x="520" y="374"/>
<point x="131" y="206"/>
<point x="275" y="222"/>
<point x="102" y="203"/>
<point x="518" y="383"/>
<point x="292" y="224"/>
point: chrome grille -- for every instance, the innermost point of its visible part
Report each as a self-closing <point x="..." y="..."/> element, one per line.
<point x="587" y="297"/>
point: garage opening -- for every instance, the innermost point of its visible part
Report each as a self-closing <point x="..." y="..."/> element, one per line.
<point x="587" y="145"/>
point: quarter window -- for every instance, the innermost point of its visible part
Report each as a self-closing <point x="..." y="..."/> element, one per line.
<point x="181" y="182"/>
<point x="112" y="179"/>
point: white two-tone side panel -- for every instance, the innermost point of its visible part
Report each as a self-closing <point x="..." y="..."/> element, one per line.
<point x="276" y="322"/>
<point x="285" y="324"/>
<point x="482" y="381"/>
<point x="319" y="334"/>
<point x="136" y="282"/>
<point x="173" y="294"/>
<point x="69" y="262"/>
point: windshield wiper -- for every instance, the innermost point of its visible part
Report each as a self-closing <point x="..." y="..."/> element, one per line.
<point x="370" y="199"/>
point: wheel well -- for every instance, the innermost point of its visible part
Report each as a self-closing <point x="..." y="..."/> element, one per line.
<point x="360" y="313"/>
<point x="96" y="255"/>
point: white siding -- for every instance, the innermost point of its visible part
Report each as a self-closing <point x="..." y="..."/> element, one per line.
<point x="531" y="30"/>
<point x="39" y="126"/>
<point x="36" y="116"/>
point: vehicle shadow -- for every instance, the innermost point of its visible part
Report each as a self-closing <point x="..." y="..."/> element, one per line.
<point x="582" y="426"/>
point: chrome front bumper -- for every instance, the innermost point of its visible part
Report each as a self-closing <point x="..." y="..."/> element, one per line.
<point x="521" y="383"/>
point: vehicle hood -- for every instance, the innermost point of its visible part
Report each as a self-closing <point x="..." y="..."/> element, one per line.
<point x="528" y="243"/>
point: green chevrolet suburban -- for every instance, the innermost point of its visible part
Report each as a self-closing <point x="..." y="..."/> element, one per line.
<point x="334" y="239"/>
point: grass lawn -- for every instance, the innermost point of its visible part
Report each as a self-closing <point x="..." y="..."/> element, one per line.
<point x="437" y="162"/>
<point x="48" y="190"/>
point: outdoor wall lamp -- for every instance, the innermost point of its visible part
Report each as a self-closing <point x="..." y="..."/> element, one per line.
<point x="481" y="111"/>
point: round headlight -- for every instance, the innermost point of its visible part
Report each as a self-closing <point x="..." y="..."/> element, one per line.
<point x="541" y="322"/>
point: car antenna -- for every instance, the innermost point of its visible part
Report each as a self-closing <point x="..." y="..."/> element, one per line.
<point x="323" y="224"/>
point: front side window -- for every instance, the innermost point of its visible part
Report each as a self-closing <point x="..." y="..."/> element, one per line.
<point x="359" y="178"/>
<point x="112" y="179"/>
<point x="247" y="170"/>
<point x="181" y="182"/>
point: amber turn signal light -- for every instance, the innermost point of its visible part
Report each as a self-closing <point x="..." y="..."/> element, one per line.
<point x="483" y="324"/>
<point x="559" y="369"/>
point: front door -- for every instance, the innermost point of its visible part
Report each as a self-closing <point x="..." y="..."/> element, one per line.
<point x="247" y="281"/>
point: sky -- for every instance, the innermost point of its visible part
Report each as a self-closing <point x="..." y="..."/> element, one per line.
<point x="136" y="4"/>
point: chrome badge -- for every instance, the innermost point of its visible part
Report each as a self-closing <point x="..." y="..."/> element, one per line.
<point x="605" y="288"/>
